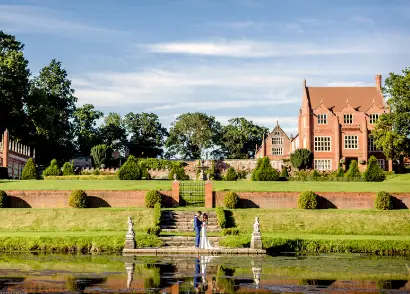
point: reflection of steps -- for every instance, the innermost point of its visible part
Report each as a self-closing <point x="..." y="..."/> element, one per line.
<point x="183" y="221"/>
<point x="182" y="241"/>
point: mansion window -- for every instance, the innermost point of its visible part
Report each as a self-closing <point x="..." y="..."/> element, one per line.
<point x="348" y="118"/>
<point x="277" y="151"/>
<point x="322" y="143"/>
<point x="371" y="146"/>
<point x="277" y="140"/>
<point x="323" y="164"/>
<point x="351" y="142"/>
<point x="322" y="119"/>
<point x="381" y="163"/>
<point x="373" y="118"/>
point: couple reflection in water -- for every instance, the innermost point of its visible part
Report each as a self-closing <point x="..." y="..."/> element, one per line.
<point x="200" y="282"/>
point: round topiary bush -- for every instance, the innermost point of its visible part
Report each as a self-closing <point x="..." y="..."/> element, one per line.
<point x="78" y="199"/>
<point x="383" y="201"/>
<point x="29" y="171"/>
<point x="3" y="199"/>
<point x="152" y="197"/>
<point x="307" y="200"/>
<point x="130" y="170"/>
<point x="231" y="200"/>
<point x="231" y="175"/>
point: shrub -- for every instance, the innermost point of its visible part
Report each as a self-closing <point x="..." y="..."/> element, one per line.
<point x="157" y="214"/>
<point x="315" y="175"/>
<point x="242" y="174"/>
<point x="353" y="172"/>
<point x="52" y="169"/>
<point x="178" y="169"/>
<point x="83" y="177"/>
<point x="383" y="201"/>
<point x="98" y="153"/>
<point x="213" y="172"/>
<point x="307" y="200"/>
<point x="130" y="170"/>
<point x="3" y="199"/>
<point x="220" y="215"/>
<point x="144" y="170"/>
<point x="284" y="175"/>
<point x="266" y="172"/>
<point x="96" y="172"/>
<point x="154" y="231"/>
<point x="258" y="164"/>
<point x="373" y="172"/>
<point x="78" y="199"/>
<point x="231" y="200"/>
<point x="4" y="173"/>
<point x="301" y="158"/>
<point x="231" y="175"/>
<point x="230" y="232"/>
<point x="68" y="169"/>
<point x="151" y="198"/>
<point x="29" y="171"/>
<point x="340" y="172"/>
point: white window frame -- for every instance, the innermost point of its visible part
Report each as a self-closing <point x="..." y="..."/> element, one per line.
<point x="323" y="164"/>
<point x="373" y="118"/>
<point x="277" y="151"/>
<point x="371" y="147"/>
<point x="349" y="141"/>
<point x="321" y="145"/>
<point x="382" y="163"/>
<point x="348" y="118"/>
<point x="322" y="119"/>
<point x="277" y="140"/>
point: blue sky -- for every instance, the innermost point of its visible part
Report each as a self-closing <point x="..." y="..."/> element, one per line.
<point x="228" y="58"/>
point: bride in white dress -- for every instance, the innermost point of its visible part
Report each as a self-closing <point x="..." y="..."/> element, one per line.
<point x="205" y="244"/>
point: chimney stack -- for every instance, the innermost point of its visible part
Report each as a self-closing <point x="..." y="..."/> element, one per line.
<point x="379" y="82"/>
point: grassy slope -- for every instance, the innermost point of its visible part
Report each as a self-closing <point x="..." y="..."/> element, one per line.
<point x="395" y="183"/>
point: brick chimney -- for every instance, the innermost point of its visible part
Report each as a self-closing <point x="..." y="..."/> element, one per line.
<point x="379" y="82"/>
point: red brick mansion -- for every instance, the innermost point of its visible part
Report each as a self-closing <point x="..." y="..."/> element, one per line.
<point x="335" y="123"/>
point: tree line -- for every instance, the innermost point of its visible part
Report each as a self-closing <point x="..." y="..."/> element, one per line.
<point x="41" y="111"/>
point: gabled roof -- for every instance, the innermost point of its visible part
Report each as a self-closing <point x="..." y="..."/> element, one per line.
<point x="280" y="130"/>
<point x="334" y="98"/>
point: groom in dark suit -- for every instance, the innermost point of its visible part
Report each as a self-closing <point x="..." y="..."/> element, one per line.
<point x="197" y="227"/>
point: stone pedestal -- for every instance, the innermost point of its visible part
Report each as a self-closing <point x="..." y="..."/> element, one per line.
<point x="130" y="236"/>
<point x="256" y="240"/>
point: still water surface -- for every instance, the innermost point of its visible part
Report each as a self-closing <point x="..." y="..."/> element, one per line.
<point x="39" y="273"/>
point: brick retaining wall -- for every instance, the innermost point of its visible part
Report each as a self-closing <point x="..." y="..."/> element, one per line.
<point x="59" y="199"/>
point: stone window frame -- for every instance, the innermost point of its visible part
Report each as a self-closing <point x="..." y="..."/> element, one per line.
<point x="348" y="118"/>
<point x="277" y="151"/>
<point x="324" y="164"/>
<point x="322" y="145"/>
<point x="278" y="140"/>
<point x="382" y="163"/>
<point x="371" y="147"/>
<point x="373" y="118"/>
<point x="350" y="141"/>
<point x="322" y="119"/>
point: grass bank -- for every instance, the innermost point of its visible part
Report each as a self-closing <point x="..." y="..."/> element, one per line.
<point x="394" y="183"/>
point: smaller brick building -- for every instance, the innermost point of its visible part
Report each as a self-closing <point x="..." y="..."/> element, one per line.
<point x="277" y="145"/>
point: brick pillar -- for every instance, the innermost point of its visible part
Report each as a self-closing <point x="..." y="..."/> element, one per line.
<point x="209" y="199"/>
<point x="390" y="165"/>
<point x="6" y="149"/>
<point x="175" y="194"/>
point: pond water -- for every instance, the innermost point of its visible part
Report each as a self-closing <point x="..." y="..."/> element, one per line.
<point x="38" y="273"/>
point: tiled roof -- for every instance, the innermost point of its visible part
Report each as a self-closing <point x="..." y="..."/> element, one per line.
<point x="335" y="98"/>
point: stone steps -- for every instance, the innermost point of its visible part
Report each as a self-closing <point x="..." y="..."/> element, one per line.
<point x="183" y="221"/>
<point x="186" y="241"/>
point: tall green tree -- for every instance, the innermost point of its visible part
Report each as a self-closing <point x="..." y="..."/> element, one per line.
<point x="147" y="134"/>
<point x="392" y="131"/>
<point x="14" y="85"/>
<point x="85" y="120"/>
<point x="113" y="133"/>
<point x="51" y="107"/>
<point x="191" y="134"/>
<point x="239" y="138"/>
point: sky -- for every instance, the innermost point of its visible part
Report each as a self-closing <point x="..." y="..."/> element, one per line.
<point x="227" y="58"/>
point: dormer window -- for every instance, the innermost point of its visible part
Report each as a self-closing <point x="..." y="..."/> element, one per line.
<point x="348" y="118"/>
<point x="373" y="118"/>
<point x="322" y="119"/>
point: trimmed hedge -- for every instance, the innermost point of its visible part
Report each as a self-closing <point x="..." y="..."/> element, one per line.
<point x="265" y="172"/>
<point x="130" y="170"/>
<point x="231" y="200"/>
<point x="68" y="169"/>
<point x="258" y="165"/>
<point x="152" y="198"/>
<point x="307" y="200"/>
<point x="383" y="201"/>
<point x="231" y="175"/>
<point x="3" y="199"/>
<point x="373" y="172"/>
<point x="83" y="177"/>
<point x="220" y="215"/>
<point x="78" y="199"/>
<point x="178" y="169"/>
<point x="29" y="171"/>
<point x="353" y="172"/>
<point x="52" y="170"/>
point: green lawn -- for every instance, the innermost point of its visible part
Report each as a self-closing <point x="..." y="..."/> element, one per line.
<point x="394" y="183"/>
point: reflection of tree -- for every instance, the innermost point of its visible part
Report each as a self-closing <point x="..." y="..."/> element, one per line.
<point x="225" y="282"/>
<point x="322" y="283"/>
<point x="155" y="280"/>
<point x="391" y="284"/>
<point x="79" y="284"/>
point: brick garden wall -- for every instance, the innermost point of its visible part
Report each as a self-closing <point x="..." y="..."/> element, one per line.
<point x="59" y="199"/>
<point x="342" y="200"/>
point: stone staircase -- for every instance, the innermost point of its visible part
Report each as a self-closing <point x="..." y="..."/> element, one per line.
<point x="183" y="221"/>
<point x="186" y="241"/>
